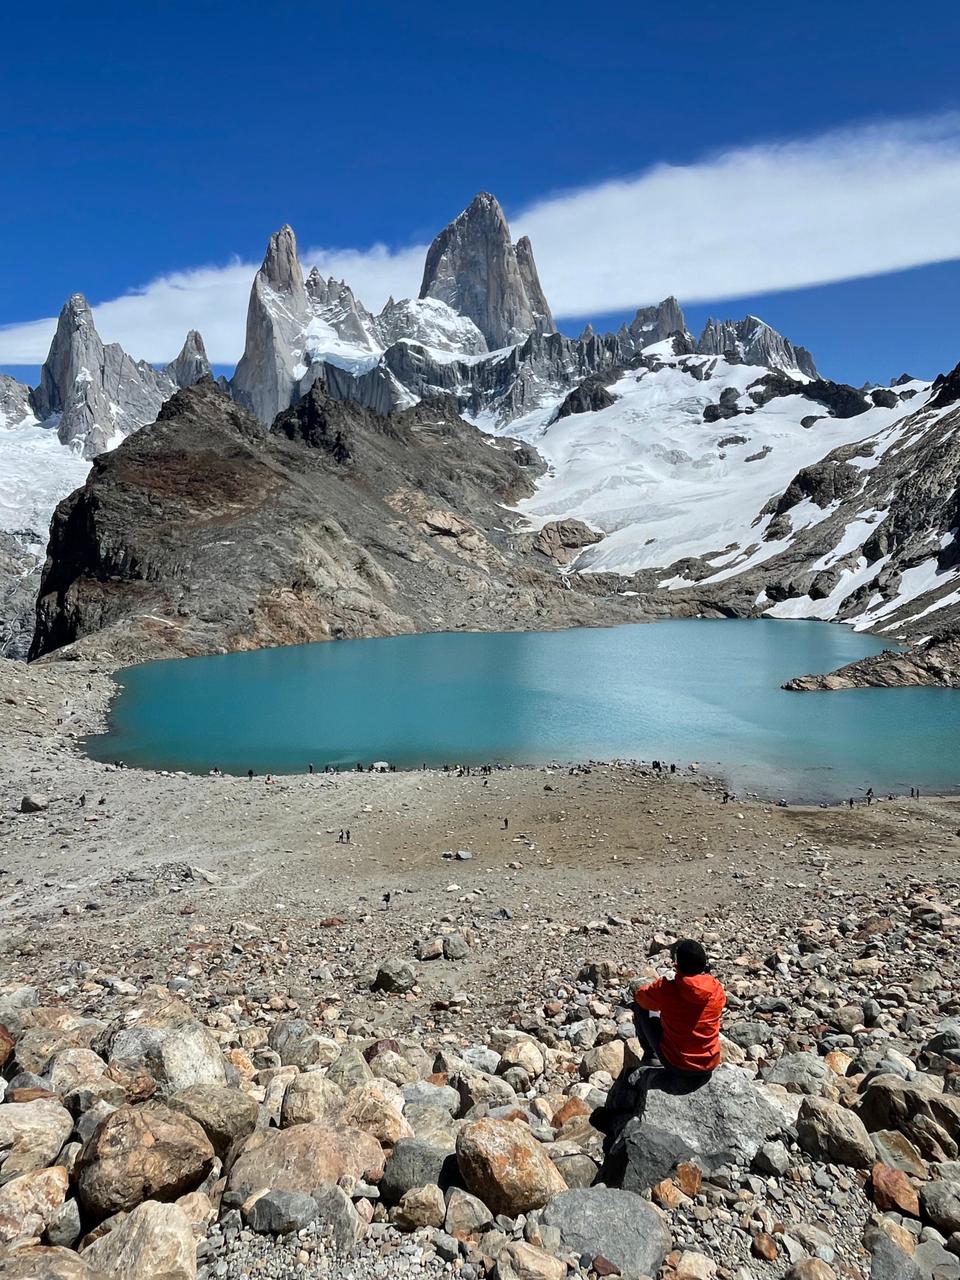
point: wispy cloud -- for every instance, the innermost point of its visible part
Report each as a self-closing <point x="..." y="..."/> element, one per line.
<point x="757" y="219"/>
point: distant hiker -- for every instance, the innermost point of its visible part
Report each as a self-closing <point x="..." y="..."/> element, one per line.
<point x="686" y="1036"/>
<point x="869" y="795"/>
<point x="673" y="768"/>
<point x="250" y="774"/>
<point x="310" y="767"/>
<point x="348" y="836"/>
<point x="726" y="797"/>
<point x="340" y="836"/>
<point x="83" y="801"/>
<point x="506" y="823"/>
<point x="851" y="802"/>
<point x="385" y="904"/>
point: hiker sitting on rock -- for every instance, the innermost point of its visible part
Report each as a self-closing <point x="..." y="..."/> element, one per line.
<point x="686" y="1036"/>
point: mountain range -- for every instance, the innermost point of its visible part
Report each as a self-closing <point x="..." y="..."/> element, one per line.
<point x="663" y="473"/>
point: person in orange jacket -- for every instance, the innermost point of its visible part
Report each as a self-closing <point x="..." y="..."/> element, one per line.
<point x="686" y="1036"/>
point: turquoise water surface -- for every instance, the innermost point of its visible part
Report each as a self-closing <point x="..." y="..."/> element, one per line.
<point x="690" y="690"/>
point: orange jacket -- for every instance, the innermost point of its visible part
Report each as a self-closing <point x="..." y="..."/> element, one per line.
<point x="690" y="1010"/>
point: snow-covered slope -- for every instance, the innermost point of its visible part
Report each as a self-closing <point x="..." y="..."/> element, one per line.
<point x="662" y="480"/>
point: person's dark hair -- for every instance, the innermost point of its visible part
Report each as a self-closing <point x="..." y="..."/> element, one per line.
<point x="689" y="957"/>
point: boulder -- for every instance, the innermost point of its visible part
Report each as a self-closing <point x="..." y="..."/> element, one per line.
<point x="32" y="1134"/>
<point x="300" y="1045"/>
<point x="141" y="1153"/>
<point x="466" y="1214"/>
<point x="223" y="1114"/>
<point x="419" y="1207"/>
<point x="829" y="1132"/>
<point x="888" y="1261"/>
<point x="48" y="1264"/>
<point x="300" y="1158"/>
<point x="520" y="1261"/>
<point x="721" y="1121"/>
<point x="940" y="1201"/>
<point x="349" y="1069"/>
<point x="525" y="1054"/>
<point x="277" y="1213"/>
<point x="414" y="1163"/>
<point x="799" y="1073"/>
<point x="29" y="1204"/>
<point x="72" y="1067"/>
<point x="373" y="1109"/>
<point x="892" y="1191"/>
<point x="503" y="1164"/>
<point x="311" y="1098"/>
<point x="154" y="1242"/>
<point x="34" y="804"/>
<point x="176" y="1056"/>
<point x="395" y="975"/>
<point x="424" y="1093"/>
<point x="337" y="1219"/>
<point x="620" y="1225"/>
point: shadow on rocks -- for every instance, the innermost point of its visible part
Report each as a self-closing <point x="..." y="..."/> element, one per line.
<point x="626" y="1104"/>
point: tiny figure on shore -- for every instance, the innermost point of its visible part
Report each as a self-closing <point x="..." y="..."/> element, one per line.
<point x="506" y="823"/>
<point x="310" y="767"/>
<point x="83" y="800"/>
<point x="869" y="795"/>
<point x="250" y="774"/>
<point x="673" y="768"/>
<point x="340" y="836"/>
<point x="851" y="802"/>
<point x="385" y="904"/>
<point x="726" y="797"/>
<point x="347" y="841"/>
<point x="685" y="1038"/>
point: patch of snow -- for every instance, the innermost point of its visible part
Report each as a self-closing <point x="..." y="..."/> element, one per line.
<point x="36" y="472"/>
<point x="650" y="473"/>
<point x="806" y="607"/>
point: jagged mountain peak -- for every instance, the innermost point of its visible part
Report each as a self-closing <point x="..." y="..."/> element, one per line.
<point x="754" y="341"/>
<point x="191" y="364"/>
<point x="474" y="268"/>
<point x="281" y="265"/>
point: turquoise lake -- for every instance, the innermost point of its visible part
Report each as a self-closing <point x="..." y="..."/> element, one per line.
<point x="683" y="691"/>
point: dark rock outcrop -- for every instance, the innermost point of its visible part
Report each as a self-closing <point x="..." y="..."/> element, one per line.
<point x="209" y="532"/>
<point x="589" y="396"/>
<point x="936" y="662"/>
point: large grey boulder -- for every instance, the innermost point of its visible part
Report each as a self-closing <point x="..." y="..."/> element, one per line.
<point x="415" y="1163"/>
<point x="719" y="1122"/>
<point x="473" y="267"/>
<point x="799" y="1073"/>
<point x="177" y="1056"/>
<point x="154" y="1240"/>
<point x="620" y="1225"/>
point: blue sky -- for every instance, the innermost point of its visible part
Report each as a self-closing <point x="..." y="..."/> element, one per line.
<point x="144" y="140"/>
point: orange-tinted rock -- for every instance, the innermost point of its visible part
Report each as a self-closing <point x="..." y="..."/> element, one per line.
<point x="506" y="1167"/>
<point x="892" y="1191"/>
<point x="571" y="1108"/>
<point x="764" y="1246"/>
<point x="688" y="1178"/>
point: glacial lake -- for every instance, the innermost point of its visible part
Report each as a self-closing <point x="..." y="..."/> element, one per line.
<point x="684" y="690"/>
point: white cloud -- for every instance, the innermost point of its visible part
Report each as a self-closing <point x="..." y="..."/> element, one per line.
<point x="774" y="216"/>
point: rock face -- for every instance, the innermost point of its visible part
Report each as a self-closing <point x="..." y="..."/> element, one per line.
<point x="97" y="393"/>
<point x="753" y="342"/>
<point x="472" y="267"/>
<point x="270" y="367"/>
<point x="16" y="405"/>
<point x="209" y="532"/>
<point x="191" y="364"/>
